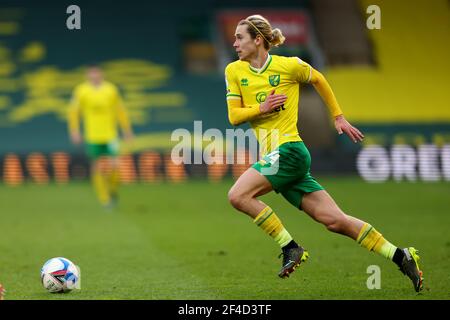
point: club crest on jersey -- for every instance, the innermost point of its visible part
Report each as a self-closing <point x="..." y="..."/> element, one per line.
<point x="274" y="80"/>
<point x="244" y="82"/>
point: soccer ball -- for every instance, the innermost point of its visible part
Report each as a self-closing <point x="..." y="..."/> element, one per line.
<point x="60" y="275"/>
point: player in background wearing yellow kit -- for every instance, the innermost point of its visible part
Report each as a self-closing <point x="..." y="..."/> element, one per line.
<point x="264" y="90"/>
<point x="98" y="103"/>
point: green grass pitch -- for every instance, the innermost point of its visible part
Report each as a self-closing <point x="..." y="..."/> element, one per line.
<point x="184" y="241"/>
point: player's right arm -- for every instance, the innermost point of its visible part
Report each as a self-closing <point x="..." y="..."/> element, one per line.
<point x="239" y="113"/>
<point x="74" y="114"/>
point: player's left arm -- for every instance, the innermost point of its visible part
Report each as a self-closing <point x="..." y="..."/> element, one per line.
<point x="73" y="118"/>
<point x="342" y="125"/>
<point x="123" y="119"/>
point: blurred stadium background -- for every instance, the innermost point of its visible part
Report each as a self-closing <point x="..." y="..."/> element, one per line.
<point x="168" y="59"/>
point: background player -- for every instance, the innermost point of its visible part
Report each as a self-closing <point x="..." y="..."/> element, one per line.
<point x="98" y="103"/>
<point x="285" y="167"/>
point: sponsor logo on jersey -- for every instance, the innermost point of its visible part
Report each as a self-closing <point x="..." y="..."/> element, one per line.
<point x="261" y="97"/>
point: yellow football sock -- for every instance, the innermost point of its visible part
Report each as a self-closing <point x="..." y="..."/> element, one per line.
<point x="114" y="181"/>
<point x="372" y="240"/>
<point x="271" y="224"/>
<point x="101" y="187"/>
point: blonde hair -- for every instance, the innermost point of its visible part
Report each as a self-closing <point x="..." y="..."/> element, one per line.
<point x="258" y="25"/>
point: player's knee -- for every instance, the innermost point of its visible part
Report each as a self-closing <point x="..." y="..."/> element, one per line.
<point x="335" y="227"/>
<point x="337" y="223"/>
<point x="236" y="199"/>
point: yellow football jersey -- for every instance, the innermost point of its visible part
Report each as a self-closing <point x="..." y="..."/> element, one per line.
<point x="251" y="86"/>
<point x="100" y="108"/>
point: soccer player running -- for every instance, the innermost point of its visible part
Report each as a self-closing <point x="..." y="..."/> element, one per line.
<point x="98" y="103"/>
<point x="264" y="90"/>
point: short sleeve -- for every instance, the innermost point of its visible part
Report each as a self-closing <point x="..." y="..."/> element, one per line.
<point x="232" y="87"/>
<point x="302" y="70"/>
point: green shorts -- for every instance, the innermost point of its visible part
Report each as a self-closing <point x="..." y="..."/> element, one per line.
<point x="287" y="169"/>
<point x="96" y="150"/>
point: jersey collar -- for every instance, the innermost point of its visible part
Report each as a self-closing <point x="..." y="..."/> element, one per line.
<point x="96" y="87"/>
<point x="264" y="67"/>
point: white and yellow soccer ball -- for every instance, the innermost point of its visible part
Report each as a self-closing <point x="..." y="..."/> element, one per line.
<point x="60" y="275"/>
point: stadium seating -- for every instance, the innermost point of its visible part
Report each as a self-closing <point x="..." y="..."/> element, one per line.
<point x="409" y="82"/>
